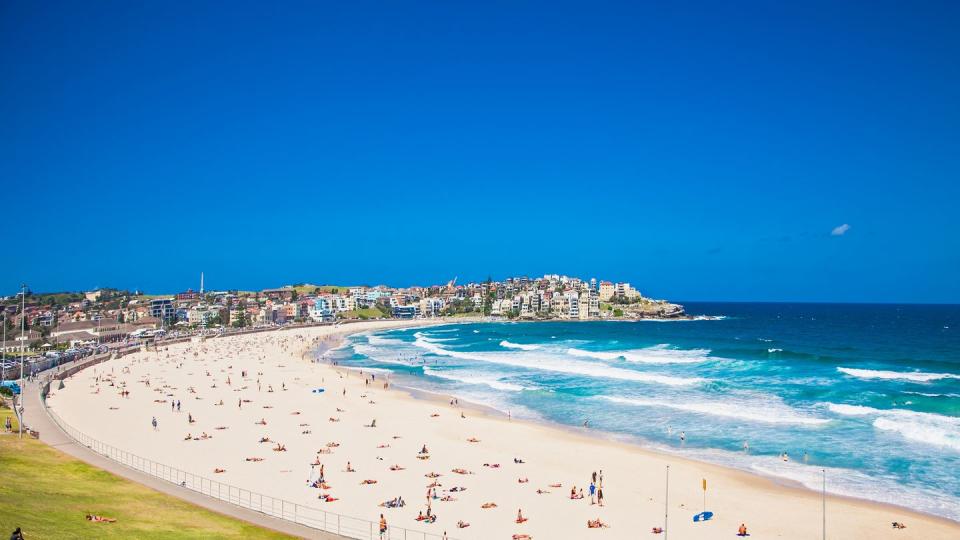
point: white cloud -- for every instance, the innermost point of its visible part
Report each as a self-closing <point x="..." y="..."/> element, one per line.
<point x="840" y="231"/>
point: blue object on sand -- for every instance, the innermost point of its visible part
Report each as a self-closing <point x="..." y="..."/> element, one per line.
<point x="703" y="516"/>
<point x="318" y="390"/>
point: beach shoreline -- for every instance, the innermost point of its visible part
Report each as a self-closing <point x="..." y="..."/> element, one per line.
<point x="574" y="445"/>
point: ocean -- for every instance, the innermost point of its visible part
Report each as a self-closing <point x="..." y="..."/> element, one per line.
<point x="870" y="393"/>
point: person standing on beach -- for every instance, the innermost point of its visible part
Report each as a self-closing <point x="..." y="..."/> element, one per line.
<point x="154" y="422"/>
<point x="593" y="490"/>
<point x="600" y="484"/>
<point x="383" y="526"/>
<point x="600" y="496"/>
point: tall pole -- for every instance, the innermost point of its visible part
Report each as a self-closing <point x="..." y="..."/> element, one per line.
<point x="823" y="497"/>
<point x="3" y="355"/>
<point x="23" y="324"/>
<point x="666" y="506"/>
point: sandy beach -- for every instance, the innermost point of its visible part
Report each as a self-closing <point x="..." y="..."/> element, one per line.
<point x="237" y="391"/>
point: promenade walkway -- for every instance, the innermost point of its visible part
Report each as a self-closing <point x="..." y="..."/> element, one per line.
<point x="37" y="419"/>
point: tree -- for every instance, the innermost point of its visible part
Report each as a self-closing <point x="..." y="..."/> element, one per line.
<point x="618" y="312"/>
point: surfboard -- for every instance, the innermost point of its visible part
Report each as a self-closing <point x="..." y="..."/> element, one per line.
<point x="703" y="516"/>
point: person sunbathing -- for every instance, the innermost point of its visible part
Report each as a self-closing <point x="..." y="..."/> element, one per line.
<point x="461" y="471"/>
<point x="262" y="422"/>
<point x="518" y="460"/>
<point x="325" y="451"/>
<point x="326" y="497"/>
<point x="541" y="491"/>
<point x="423" y="456"/>
<point x="462" y="524"/>
<point x="435" y="484"/>
<point x="333" y="444"/>
<point x="456" y="489"/>
<point x="473" y="439"/>
<point x="898" y="525"/>
<point x="657" y="530"/>
<point x="188" y="437"/>
<point x="434" y="415"/>
<point x="520" y="518"/>
<point x="332" y="419"/>
<point x="596" y="524"/>
<point x="218" y="470"/>
<point x="383" y="446"/>
<point x="433" y="475"/>
<point x="254" y="459"/>
<point x="100" y="519"/>
<point x="295" y="413"/>
<point x="220" y="427"/>
<point x="368" y="482"/>
<point x="306" y="432"/>
<point x="523" y="480"/>
<point x="487" y="506"/>
<point x="448" y="498"/>
<point x="396" y="468"/>
<point x="340" y="410"/>
<point x="522" y="537"/>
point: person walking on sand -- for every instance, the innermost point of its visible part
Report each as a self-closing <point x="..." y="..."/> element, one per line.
<point x="154" y="423"/>
<point x="600" y="496"/>
<point x="383" y="526"/>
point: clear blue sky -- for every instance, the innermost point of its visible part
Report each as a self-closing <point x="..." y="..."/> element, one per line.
<point x="700" y="151"/>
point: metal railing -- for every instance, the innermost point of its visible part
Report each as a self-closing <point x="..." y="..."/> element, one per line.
<point x="331" y="522"/>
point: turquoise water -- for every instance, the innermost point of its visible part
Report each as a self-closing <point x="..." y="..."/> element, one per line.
<point x="871" y="393"/>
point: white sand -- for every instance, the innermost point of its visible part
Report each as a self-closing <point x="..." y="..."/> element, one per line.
<point x="633" y="478"/>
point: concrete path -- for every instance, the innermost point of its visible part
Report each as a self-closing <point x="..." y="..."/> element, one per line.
<point x="36" y="418"/>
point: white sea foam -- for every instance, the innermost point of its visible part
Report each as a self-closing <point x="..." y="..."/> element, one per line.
<point x="767" y="410"/>
<point x="559" y="364"/>
<point x="771" y="351"/>
<point x="431" y="339"/>
<point x="926" y="428"/>
<point x="473" y="378"/>
<point x="915" y="376"/>
<point x="521" y="346"/>
<point x="658" y="354"/>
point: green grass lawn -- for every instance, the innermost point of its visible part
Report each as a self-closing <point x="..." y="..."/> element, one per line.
<point x="48" y="494"/>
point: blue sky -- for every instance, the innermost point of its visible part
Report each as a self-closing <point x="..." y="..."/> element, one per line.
<point x="700" y="151"/>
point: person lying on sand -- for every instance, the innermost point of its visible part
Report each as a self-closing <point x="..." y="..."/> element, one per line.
<point x="100" y="519"/>
<point x="254" y="459"/>
<point x="220" y="427"/>
<point x="333" y="444"/>
<point x="332" y="419"/>
<point x="218" y="470"/>
<point x="325" y="451"/>
<point x="462" y="524"/>
<point x="596" y="524"/>
<point x="898" y="525"/>
<point x="461" y="471"/>
<point x="456" y="489"/>
<point x="448" y="498"/>
<point x="523" y="480"/>
<point x="518" y="460"/>
<point x="262" y="422"/>
<point x="433" y="475"/>
<point x="383" y="446"/>
<point x="542" y="491"/>
<point x="656" y="530"/>
<point x="368" y="482"/>
<point x="306" y="432"/>
<point x="326" y="497"/>
<point x="492" y="465"/>
<point x="423" y="456"/>
<point x="280" y="448"/>
<point x="434" y="415"/>
<point x="188" y="437"/>
<point x="521" y="537"/>
<point x="396" y="468"/>
<point x="435" y="484"/>
<point x="488" y="505"/>
<point x="473" y="439"/>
